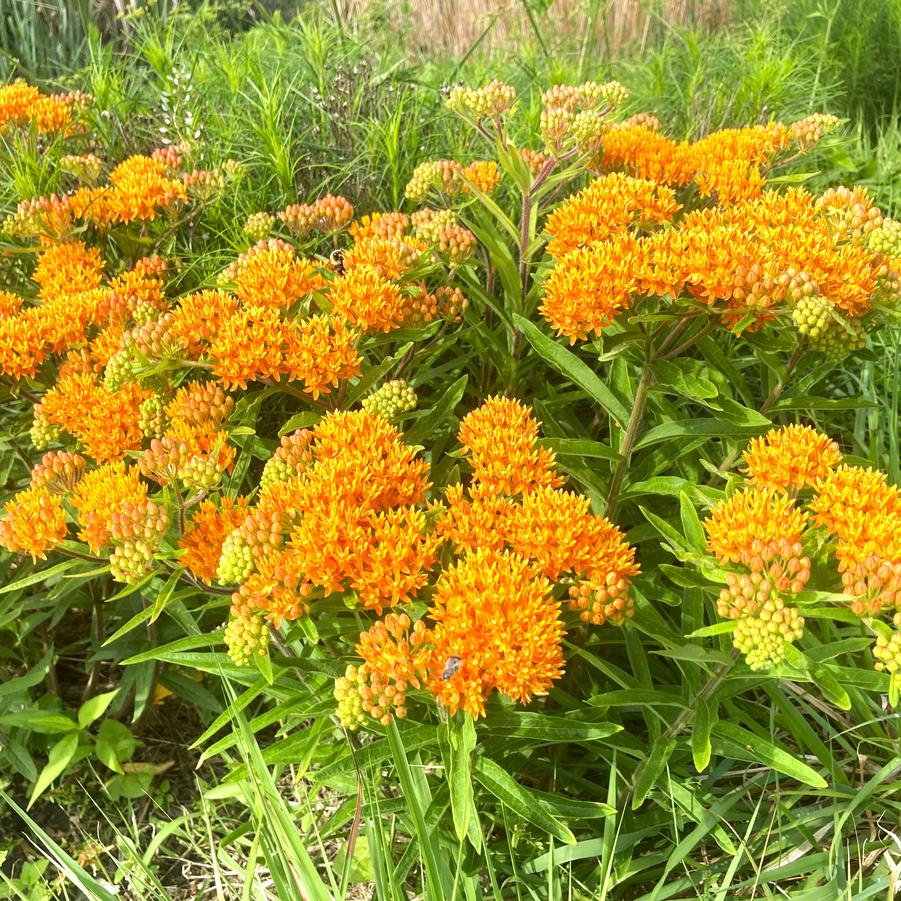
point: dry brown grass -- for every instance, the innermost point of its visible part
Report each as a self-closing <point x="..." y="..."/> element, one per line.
<point x="454" y="26"/>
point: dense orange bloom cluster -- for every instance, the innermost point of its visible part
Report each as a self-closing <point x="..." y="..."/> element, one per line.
<point x="500" y="440"/>
<point x="35" y="522"/>
<point x="493" y="623"/>
<point x="726" y="164"/>
<point x="783" y="250"/>
<point x="608" y="205"/>
<point x="752" y="524"/>
<point x="793" y="457"/>
<point x="23" y="104"/>
<point x="760" y="534"/>
<point x="494" y="613"/>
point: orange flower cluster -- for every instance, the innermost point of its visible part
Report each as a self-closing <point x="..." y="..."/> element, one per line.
<point x="746" y="261"/>
<point x="791" y="458"/>
<point x="761" y="531"/>
<point x="727" y="165"/>
<point x="607" y="206"/>
<point x="35" y="522"/>
<point x="493" y="624"/>
<point x="342" y="507"/>
<point x="863" y="512"/>
<point x="23" y="104"/>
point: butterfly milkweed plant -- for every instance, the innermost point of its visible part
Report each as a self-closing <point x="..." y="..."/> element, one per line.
<point x="457" y="494"/>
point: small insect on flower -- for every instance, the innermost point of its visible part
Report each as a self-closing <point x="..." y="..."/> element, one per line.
<point x="452" y="667"/>
<point x="337" y="260"/>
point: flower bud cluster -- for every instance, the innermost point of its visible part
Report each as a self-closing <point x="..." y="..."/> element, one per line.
<point x="600" y="602"/>
<point x="764" y="637"/>
<point x="258" y="226"/>
<point x="137" y="527"/>
<point x="290" y="459"/>
<point x="58" y="471"/>
<point x="391" y="400"/>
<point x="808" y="131"/>
<point x="887" y="652"/>
<point x="488" y="102"/>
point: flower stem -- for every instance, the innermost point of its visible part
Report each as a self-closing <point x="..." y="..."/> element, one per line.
<point x="641" y="396"/>
<point x="684" y="718"/>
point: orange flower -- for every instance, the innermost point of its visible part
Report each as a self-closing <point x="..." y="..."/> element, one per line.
<point x="496" y="628"/>
<point x="483" y="175"/>
<point x="68" y="269"/>
<point x="10" y="304"/>
<point x="368" y="301"/>
<point x="271" y="274"/>
<point x="754" y="526"/>
<point x="556" y="531"/>
<point x="321" y="352"/>
<point x="107" y="424"/>
<point x="35" y="522"/>
<point x="607" y="206"/>
<point x="248" y="346"/>
<point x="644" y="153"/>
<point x="101" y="493"/>
<point x="589" y="287"/>
<point x="480" y="521"/>
<point x="209" y="527"/>
<point x="22" y="346"/>
<point x="849" y="490"/>
<point x="390" y="257"/>
<point x="499" y="439"/>
<point x="795" y="456"/>
<point x="198" y="318"/>
<point x="142" y="187"/>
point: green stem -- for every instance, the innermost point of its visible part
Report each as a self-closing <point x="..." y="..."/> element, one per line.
<point x="681" y="721"/>
<point x="641" y="396"/>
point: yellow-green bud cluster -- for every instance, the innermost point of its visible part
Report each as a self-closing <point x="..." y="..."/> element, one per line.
<point x="247" y="636"/>
<point x="555" y="125"/>
<point x="888" y="289"/>
<point x="86" y="168"/>
<point x="444" y="175"/>
<point x="144" y="312"/>
<point x="234" y="169"/>
<point x="887" y="652"/>
<point x="588" y="129"/>
<point x="813" y="316"/>
<point x="391" y="400"/>
<point x="43" y="433"/>
<point x="120" y="369"/>
<point x="763" y="637"/>
<point x="235" y="560"/>
<point x="200" y="472"/>
<point x="886" y="239"/>
<point x="152" y="416"/>
<point x="291" y="458"/>
<point x="490" y="101"/>
<point x="842" y="338"/>
<point x="428" y="224"/>
<point x="137" y="529"/>
<point x="350" y="702"/>
<point x="258" y="226"/>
